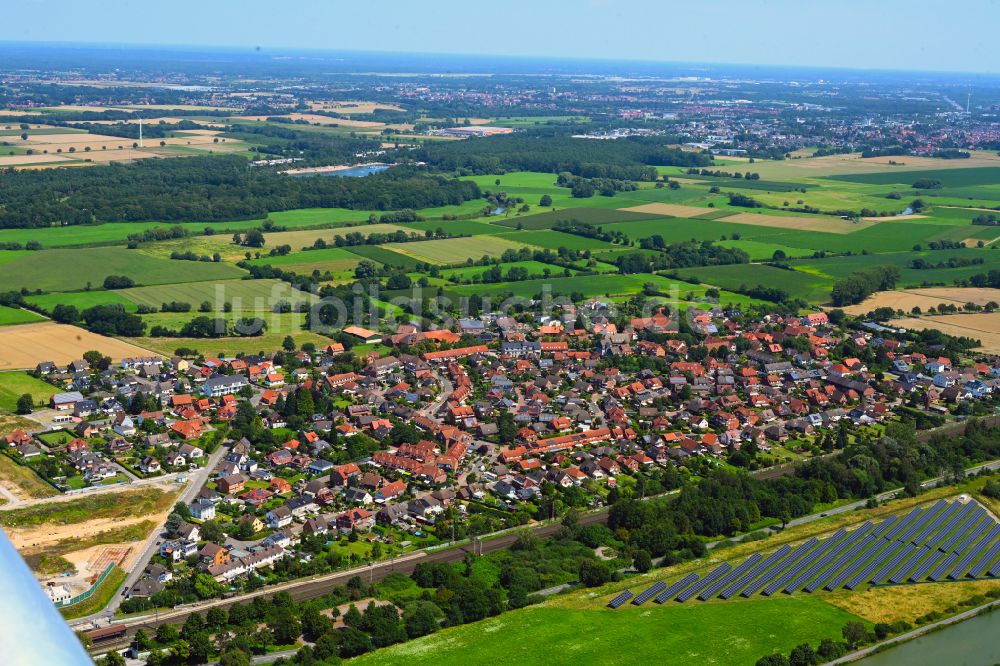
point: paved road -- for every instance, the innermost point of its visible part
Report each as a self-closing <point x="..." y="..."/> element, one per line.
<point x="194" y="484"/>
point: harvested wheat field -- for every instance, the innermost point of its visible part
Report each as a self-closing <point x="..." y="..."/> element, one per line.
<point x="25" y="346"/>
<point x="830" y="225"/>
<point x="348" y="108"/>
<point x="984" y="327"/>
<point x="888" y="218"/>
<point x="673" y="210"/>
<point x="925" y="298"/>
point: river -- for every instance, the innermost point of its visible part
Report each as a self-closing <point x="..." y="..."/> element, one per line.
<point x="972" y="642"/>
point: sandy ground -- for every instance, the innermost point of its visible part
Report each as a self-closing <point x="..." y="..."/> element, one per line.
<point x="361" y="605"/>
<point x="984" y="327"/>
<point x="674" y="210"/>
<point x="803" y="223"/>
<point x="925" y="298"/>
<point x="91" y="563"/>
<point x="43" y="536"/>
<point x="16" y="160"/>
<point x="27" y="345"/>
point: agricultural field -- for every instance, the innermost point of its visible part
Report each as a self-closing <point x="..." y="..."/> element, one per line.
<point x="594" y="216"/>
<point x="333" y="259"/>
<point x="984" y="327"/>
<point x="306" y="237"/>
<point x="553" y="240"/>
<point x="10" y="316"/>
<point x="450" y="251"/>
<point x="833" y="268"/>
<point x="383" y="255"/>
<point x="70" y="270"/>
<point x="926" y="298"/>
<point x="27" y="345"/>
<point x="15" y="384"/>
<point x="798" y="284"/>
<point x="228" y="347"/>
<point x="948" y="177"/>
<point x="80" y="299"/>
<point x="474" y="272"/>
<point x="664" y="635"/>
<point x="246" y="295"/>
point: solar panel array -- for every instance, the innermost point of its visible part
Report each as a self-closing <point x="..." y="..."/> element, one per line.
<point x="648" y="594"/>
<point x="948" y="540"/>
<point x="620" y="599"/>
<point x="675" y="589"/>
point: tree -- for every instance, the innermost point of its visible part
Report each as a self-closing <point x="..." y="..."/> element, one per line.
<point x="421" y="618"/>
<point x="546" y="201"/>
<point x="288" y="344"/>
<point x="113" y="658"/>
<point x="354" y="642"/>
<point x="234" y="657"/>
<point x="25" y="404"/>
<point x="854" y="633"/>
<point x="254" y="238"/>
<point x="773" y="660"/>
<point x="200" y="648"/>
<point x="594" y="573"/>
<point x="365" y="270"/>
<point x="803" y="655"/>
<point x="643" y="561"/>
<point x="314" y="623"/>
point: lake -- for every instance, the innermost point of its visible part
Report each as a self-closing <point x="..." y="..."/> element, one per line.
<point x="972" y="642"/>
<point x="348" y="173"/>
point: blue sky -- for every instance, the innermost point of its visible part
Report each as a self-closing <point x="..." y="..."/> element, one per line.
<point x="867" y="34"/>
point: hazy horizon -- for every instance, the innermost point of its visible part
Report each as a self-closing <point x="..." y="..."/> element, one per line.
<point x="891" y="35"/>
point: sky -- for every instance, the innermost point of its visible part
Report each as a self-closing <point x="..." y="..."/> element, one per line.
<point x="864" y="34"/>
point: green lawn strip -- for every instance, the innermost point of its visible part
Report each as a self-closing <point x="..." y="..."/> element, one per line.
<point x="12" y="316"/>
<point x="14" y="384"/>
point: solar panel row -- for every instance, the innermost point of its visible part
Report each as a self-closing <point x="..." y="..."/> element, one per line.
<point x="888" y="567"/>
<point x="935" y="524"/>
<point x="756" y="586"/>
<point x="985" y="561"/>
<point x="884" y="525"/>
<point x="756" y="571"/>
<point x="819" y="565"/>
<point x="620" y="599"/>
<point x="980" y="529"/>
<point x="799" y="566"/>
<point x="877" y="556"/>
<point x="862" y="539"/>
<point x="649" y="593"/>
<point x="671" y="591"/>
<point x="969" y="521"/>
<point x="994" y="570"/>
<point x="942" y="569"/>
<point x="903" y="573"/>
<point x="722" y="570"/>
<point x="902" y="525"/>
<point x="918" y="524"/>
<point x="930" y="563"/>
<point x="714" y="588"/>
<point x="952" y="528"/>
<point x="974" y="554"/>
<point x="968" y="556"/>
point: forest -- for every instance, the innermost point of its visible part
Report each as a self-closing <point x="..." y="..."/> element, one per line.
<point x="206" y="189"/>
<point x="555" y="151"/>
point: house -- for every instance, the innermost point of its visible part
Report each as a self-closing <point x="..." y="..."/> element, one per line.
<point x="278" y="518"/>
<point x="149" y="465"/>
<point x="65" y="402"/>
<point x="355" y="519"/>
<point x="213" y="554"/>
<point x="220" y="385"/>
<point x="319" y="467"/>
<point x="202" y="509"/>
<point x="229" y="485"/>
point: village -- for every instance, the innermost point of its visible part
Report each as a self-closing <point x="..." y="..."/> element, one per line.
<point x="328" y="459"/>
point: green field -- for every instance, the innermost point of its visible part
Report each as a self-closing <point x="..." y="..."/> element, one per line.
<point x="833" y="268"/>
<point x="958" y="177"/>
<point x="68" y="270"/>
<point x="383" y="255"/>
<point x="811" y="288"/>
<point x="81" y="299"/>
<point x="736" y="633"/>
<point x="457" y="250"/>
<point x="474" y="272"/>
<point x="333" y="259"/>
<point x="13" y="384"/>
<point x="11" y="316"/>
<point x="553" y="240"/>
<point x="229" y="347"/>
<point x="595" y="216"/>
<point x="256" y="295"/>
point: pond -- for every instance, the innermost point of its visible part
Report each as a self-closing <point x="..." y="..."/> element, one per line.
<point x="972" y="642"/>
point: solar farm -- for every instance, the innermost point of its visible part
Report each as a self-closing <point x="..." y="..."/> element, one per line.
<point x="949" y="541"/>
